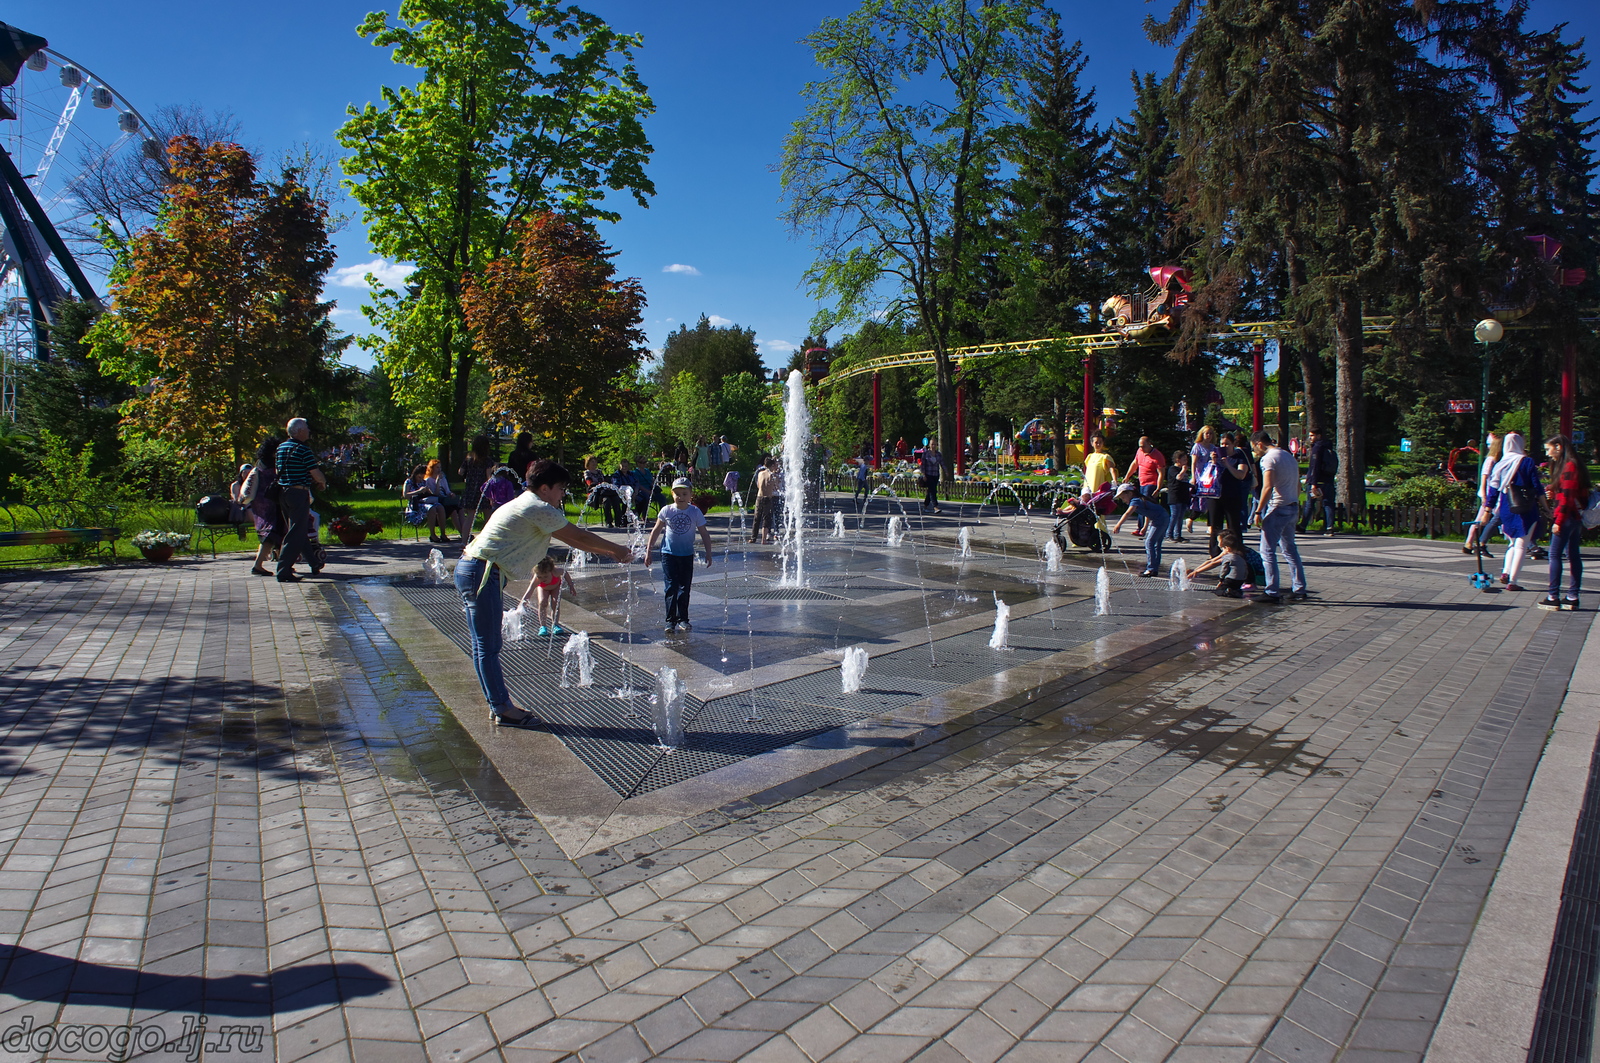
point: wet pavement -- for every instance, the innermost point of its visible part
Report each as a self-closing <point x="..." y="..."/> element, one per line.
<point x="1207" y="832"/>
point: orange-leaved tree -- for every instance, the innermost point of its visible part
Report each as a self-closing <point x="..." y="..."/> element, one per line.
<point x="559" y="334"/>
<point x="217" y="306"/>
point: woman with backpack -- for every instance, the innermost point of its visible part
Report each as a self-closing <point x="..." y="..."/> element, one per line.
<point x="1518" y="493"/>
<point x="1569" y="481"/>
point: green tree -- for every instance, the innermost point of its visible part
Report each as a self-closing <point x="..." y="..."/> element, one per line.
<point x="521" y="108"/>
<point x="559" y="335"/>
<point x="1135" y="223"/>
<point x="70" y="395"/>
<point x="889" y="167"/>
<point x="709" y="352"/>
<point x="688" y="412"/>
<point x="217" y="315"/>
<point x="739" y="405"/>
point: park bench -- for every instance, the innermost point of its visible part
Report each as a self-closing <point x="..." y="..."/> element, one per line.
<point x="210" y="532"/>
<point x="63" y="524"/>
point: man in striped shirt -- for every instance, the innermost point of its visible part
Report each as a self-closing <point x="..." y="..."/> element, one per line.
<point x="298" y="469"/>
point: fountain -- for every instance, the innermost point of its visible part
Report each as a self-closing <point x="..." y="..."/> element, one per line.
<point x="1002" y="625"/>
<point x="1052" y="555"/>
<point x="511" y="624"/>
<point x="897" y="531"/>
<point x="838" y="524"/>
<point x="577" y="560"/>
<point x="1178" y="576"/>
<point x="667" y="709"/>
<point x="964" y="538"/>
<point x="796" y="437"/>
<point x="433" y="570"/>
<point x="853" y="668"/>
<point x="577" y="649"/>
<point x="1102" y="592"/>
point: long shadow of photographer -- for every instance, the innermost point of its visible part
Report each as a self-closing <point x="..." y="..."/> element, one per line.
<point x="41" y="976"/>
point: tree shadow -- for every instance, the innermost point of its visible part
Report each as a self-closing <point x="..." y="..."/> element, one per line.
<point x="41" y="976"/>
<point x="169" y="715"/>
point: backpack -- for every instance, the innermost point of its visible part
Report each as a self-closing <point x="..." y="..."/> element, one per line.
<point x="213" y="509"/>
<point x="1591" y="512"/>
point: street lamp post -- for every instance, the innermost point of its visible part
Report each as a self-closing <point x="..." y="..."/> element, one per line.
<point x="1487" y="331"/>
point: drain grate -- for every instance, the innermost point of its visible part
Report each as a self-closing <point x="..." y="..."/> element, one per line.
<point x="794" y="594"/>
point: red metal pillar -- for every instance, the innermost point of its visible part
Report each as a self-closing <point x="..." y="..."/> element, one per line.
<point x="877" y="418"/>
<point x="961" y="433"/>
<point x="1569" y="387"/>
<point x="1258" y="385"/>
<point x="1088" y="399"/>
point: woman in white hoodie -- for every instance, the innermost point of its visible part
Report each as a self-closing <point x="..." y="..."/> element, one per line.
<point x="1516" y="491"/>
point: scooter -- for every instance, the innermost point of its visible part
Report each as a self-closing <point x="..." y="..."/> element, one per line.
<point x="1480" y="579"/>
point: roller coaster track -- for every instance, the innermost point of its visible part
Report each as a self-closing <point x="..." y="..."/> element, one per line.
<point x="1248" y="331"/>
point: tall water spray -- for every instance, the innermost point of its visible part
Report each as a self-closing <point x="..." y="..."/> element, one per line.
<point x="796" y="438"/>
<point x="853" y="668"/>
<point x="897" y="531"/>
<point x="1178" y="576"/>
<point x="1002" y="625"/>
<point x="838" y="524"/>
<point x="1102" y="592"/>
<point x="577" y="651"/>
<point x="1052" y="556"/>
<point x="667" y="708"/>
<point x="577" y="559"/>
<point x="964" y="537"/>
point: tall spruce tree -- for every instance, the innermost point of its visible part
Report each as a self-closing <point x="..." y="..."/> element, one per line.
<point x="1343" y="132"/>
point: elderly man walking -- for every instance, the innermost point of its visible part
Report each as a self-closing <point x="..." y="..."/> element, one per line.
<point x="298" y="469"/>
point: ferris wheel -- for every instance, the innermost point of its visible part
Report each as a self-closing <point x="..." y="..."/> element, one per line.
<point x="60" y="125"/>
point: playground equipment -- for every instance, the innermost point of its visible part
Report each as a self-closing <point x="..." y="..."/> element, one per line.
<point x="1140" y="315"/>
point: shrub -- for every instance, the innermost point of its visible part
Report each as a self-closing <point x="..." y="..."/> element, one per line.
<point x="1432" y="491"/>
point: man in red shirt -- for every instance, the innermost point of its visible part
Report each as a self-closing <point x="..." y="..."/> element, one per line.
<point x="1150" y="466"/>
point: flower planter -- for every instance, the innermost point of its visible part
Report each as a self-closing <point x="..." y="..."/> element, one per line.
<point x="156" y="553"/>
<point x="351" y="538"/>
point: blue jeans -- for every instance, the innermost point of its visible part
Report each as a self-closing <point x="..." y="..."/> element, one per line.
<point x="1567" y="543"/>
<point x="1157" y="516"/>
<point x="677" y="571"/>
<point x="483" y="620"/>
<point x="1176" y="517"/>
<point x="1277" y="530"/>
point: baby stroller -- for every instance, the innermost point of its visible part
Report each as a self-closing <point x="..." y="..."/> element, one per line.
<point x="1080" y="524"/>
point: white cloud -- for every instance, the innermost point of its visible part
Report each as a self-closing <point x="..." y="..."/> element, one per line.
<point x="679" y="267"/>
<point x="718" y="322"/>
<point x="777" y="346"/>
<point x="389" y="274"/>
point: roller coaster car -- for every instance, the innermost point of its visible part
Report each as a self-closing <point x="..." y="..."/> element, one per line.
<point x="1139" y="315"/>
<point x="1521" y="289"/>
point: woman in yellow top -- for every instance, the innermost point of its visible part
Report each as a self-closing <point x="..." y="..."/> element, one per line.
<point x="1098" y="468"/>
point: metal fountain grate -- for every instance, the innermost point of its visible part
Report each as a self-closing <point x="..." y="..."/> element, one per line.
<point x="809" y="709"/>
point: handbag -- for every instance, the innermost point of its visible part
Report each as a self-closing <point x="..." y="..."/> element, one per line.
<point x="1209" y="485"/>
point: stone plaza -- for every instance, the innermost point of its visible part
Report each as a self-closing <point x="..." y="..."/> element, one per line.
<point x="245" y="817"/>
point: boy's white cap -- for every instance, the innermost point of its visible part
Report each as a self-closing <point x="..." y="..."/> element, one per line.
<point x="1126" y="489"/>
<point x="681" y="482"/>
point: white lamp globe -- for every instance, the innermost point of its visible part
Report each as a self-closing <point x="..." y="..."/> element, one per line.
<point x="1489" y="331"/>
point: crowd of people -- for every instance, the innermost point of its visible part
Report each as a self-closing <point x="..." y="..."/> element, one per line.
<point x="1514" y="501"/>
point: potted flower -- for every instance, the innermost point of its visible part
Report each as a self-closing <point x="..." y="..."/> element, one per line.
<point x="159" y="545"/>
<point x="351" y="530"/>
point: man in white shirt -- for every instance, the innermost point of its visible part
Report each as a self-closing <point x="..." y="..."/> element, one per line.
<point x="1277" y="510"/>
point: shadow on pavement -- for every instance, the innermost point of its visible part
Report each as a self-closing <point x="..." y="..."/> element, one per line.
<point x="42" y="976"/>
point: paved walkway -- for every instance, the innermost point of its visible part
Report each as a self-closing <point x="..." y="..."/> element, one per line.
<point x="1268" y="838"/>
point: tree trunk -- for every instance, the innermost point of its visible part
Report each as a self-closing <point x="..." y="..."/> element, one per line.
<point x="1285" y="392"/>
<point x="1311" y="383"/>
<point x="1536" y="398"/>
<point x="945" y="384"/>
<point x="1351" y="399"/>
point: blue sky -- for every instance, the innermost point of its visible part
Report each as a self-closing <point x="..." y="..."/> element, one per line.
<point x="725" y="77"/>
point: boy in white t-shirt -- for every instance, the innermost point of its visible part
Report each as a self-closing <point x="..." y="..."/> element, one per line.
<point x="678" y="522"/>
